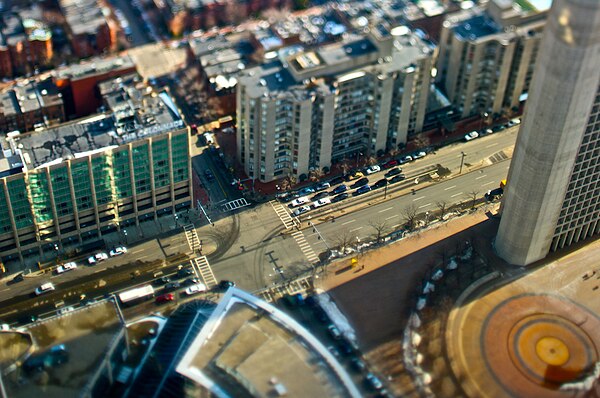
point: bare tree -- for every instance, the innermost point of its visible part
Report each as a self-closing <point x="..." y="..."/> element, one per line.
<point x="345" y="166"/>
<point x="381" y="229"/>
<point x="344" y="239"/>
<point x="371" y="160"/>
<point x="410" y="216"/>
<point x="421" y="141"/>
<point x="442" y="205"/>
<point x="315" y="174"/>
<point x="473" y="194"/>
<point x="288" y="182"/>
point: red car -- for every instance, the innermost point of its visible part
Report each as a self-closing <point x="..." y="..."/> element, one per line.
<point x="390" y="163"/>
<point x="165" y="298"/>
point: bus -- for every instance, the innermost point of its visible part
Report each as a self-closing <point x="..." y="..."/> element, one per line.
<point x="137" y="294"/>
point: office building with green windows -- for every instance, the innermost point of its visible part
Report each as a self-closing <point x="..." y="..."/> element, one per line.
<point x="74" y="183"/>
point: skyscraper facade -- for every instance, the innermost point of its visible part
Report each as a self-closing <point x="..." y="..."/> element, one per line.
<point x="553" y="195"/>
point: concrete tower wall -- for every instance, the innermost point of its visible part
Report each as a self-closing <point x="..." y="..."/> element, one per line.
<point x="565" y="82"/>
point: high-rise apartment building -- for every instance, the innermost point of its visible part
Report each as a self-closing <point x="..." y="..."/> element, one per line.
<point x="553" y="195"/>
<point x="487" y="56"/>
<point x="70" y="184"/>
<point x="307" y="110"/>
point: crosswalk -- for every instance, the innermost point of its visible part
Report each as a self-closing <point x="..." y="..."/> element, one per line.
<point x="294" y="287"/>
<point x="234" y="205"/>
<point x="192" y="237"/>
<point x="305" y="247"/>
<point x="283" y="214"/>
<point x="203" y="267"/>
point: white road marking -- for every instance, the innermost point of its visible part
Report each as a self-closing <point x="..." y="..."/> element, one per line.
<point x="389" y="218"/>
<point x="3" y="290"/>
<point x="355" y="229"/>
<point x="348" y="222"/>
<point x="488" y="183"/>
<point x="428" y="204"/>
<point x="395" y="226"/>
<point x="136" y="251"/>
<point x="491" y="145"/>
<point x="446" y="189"/>
<point x="480" y="177"/>
<point x="419" y="198"/>
<point x="381" y="211"/>
<point x="456" y="194"/>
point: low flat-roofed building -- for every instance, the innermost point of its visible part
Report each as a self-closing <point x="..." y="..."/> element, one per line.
<point x="70" y="355"/>
<point x="89" y="30"/>
<point x="250" y="348"/>
<point x="158" y="59"/>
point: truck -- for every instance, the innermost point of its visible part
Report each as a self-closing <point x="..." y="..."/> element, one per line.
<point x="137" y="294"/>
<point x="497" y="193"/>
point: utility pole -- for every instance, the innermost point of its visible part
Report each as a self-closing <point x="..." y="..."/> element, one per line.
<point x="318" y="233"/>
<point x="462" y="161"/>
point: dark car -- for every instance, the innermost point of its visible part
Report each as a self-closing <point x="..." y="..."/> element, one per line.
<point x="390" y="164"/>
<point x="357" y="365"/>
<point x="320" y="314"/>
<point x="494" y="194"/>
<point x="172" y="286"/>
<point x="380" y="184"/>
<point x="339" y="197"/>
<point x="340" y="189"/>
<point x="224" y="284"/>
<point x="286" y="197"/>
<point x="345" y="347"/>
<point x="361" y="190"/>
<point x="393" y="172"/>
<point x="362" y="182"/>
<point x="190" y="281"/>
<point x="398" y="178"/>
<point x="322" y="186"/>
<point x="320" y="195"/>
<point x="336" y="180"/>
<point x="372" y="382"/>
<point x="209" y="175"/>
<point x="162" y="280"/>
<point x="182" y="273"/>
<point x="27" y="319"/>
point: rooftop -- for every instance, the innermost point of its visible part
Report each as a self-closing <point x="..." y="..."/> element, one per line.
<point x="85" y="333"/>
<point x="136" y="112"/>
<point x="95" y="66"/>
<point x="157" y="59"/>
<point x="250" y="345"/>
<point x="29" y="95"/>
<point x="476" y="27"/>
<point x="83" y="16"/>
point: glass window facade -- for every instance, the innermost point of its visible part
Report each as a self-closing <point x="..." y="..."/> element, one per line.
<point x="160" y="158"/>
<point x="102" y="179"/>
<point x="122" y="173"/>
<point x="141" y="168"/>
<point x="5" y="225"/>
<point x="61" y="191"/>
<point x="20" y="203"/>
<point x="180" y="155"/>
<point x="82" y="185"/>
<point x="40" y="196"/>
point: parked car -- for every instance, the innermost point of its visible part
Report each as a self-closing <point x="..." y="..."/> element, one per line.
<point x="65" y="310"/>
<point x="397" y="178"/>
<point x="97" y="258"/>
<point x="182" y="273"/>
<point x="301" y="210"/>
<point x="334" y="332"/>
<point x="357" y="365"/>
<point x="319" y="196"/>
<point x="321" y="202"/>
<point x="172" y="286"/>
<point x="390" y="164"/>
<point x="419" y="155"/>
<point x="405" y="159"/>
<point x="373" y="169"/>
<point x="393" y="172"/>
<point x="471" y="136"/>
<point x="286" y="197"/>
<point x="499" y="127"/>
<point x="354" y="176"/>
<point x="44" y="288"/>
<point x="361" y="190"/>
<point x="299" y="202"/>
<point x="514" y="122"/>
<point x="118" y="251"/>
<point x="165" y="298"/>
<point x="306" y="191"/>
<point x="336" y="180"/>
<point x="209" y="174"/>
<point x="339" y="197"/>
<point x="163" y="280"/>
<point x="339" y="189"/>
<point x="322" y="186"/>
<point x="345" y="347"/>
<point x="380" y="184"/>
<point x="360" y="183"/>
<point x="66" y="267"/>
<point x="190" y="281"/>
<point x="225" y="284"/>
<point x="373" y="382"/>
<point x="194" y="289"/>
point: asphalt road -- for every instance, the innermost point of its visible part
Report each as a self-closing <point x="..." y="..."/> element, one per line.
<point x="139" y="35"/>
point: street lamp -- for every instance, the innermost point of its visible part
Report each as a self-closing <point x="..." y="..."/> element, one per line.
<point x="426" y="218"/>
<point x="462" y="161"/>
<point x="357" y="156"/>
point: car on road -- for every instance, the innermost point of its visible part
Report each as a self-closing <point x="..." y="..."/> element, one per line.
<point x="354" y="176"/>
<point x="357" y="365"/>
<point x="172" y="286"/>
<point x="334" y="332"/>
<point x="225" y="284"/>
<point x="65" y="310"/>
<point x="340" y="197"/>
<point x="321" y="202"/>
<point x="163" y="280"/>
<point x="306" y="191"/>
<point x="419" y="155"/>
<point x="319" y="196"/>
<point x="209" y="174"/>
<point x="165" y="298"/>
<point x="183" y="272"/>
<point x="471" y="136"/>
<point x="373" y="169"/>
<point x="380" y="184"/>
<point x="390" y="163"/>
<point x="97" y="258"/>
<point x="514" y="122"/>
<point x="339" y="189"/>
<point x="195" y="289"/>
<point x="322" y="186"/>
<point x="499" y="127"/>
<point x="301" y="210"/>
<point x="393" y="172"/>
<point x="405" y="159"/>
<point x="44" y="288"/>
<point x="373" y="382"/>
<point x="336" y="180"/>
<point x="285" y="197"/>
<point x="299" y="202"/>
<point x="118" y="251"/>
<point x="361" y="190"/>
<point x="397" y="178"/>
<point x="66" y="267"/>
<point x="360" y="183"/>
<point x="190" y="281"/>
